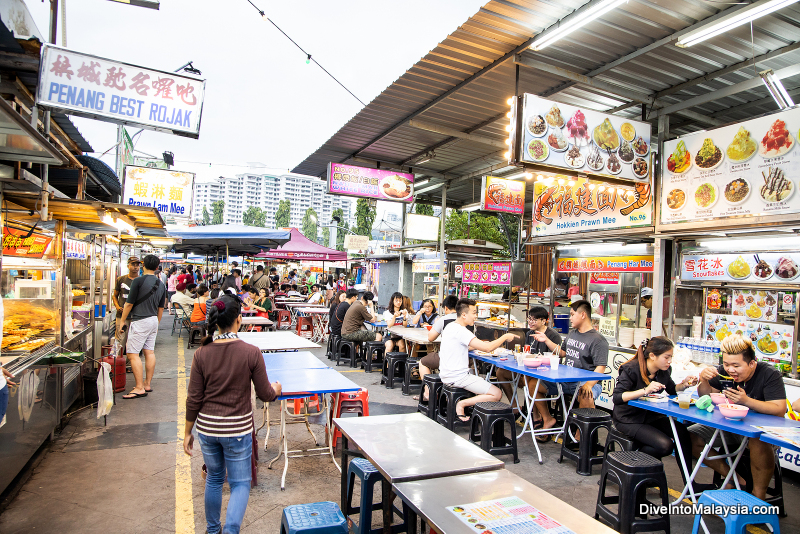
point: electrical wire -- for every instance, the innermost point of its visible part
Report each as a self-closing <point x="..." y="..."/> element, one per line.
<point x="309" y="57"/>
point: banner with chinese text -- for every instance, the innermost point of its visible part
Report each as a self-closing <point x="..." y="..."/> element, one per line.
<point x="364" y="182"/>
<point x="112" y="91"/>
<point x="76" y="250"/>
<point x="492" y="274"/>
<point x="565" y="205"/>
<point x="170" y="192"/>
<point x="770" y="267"/>
<point x="618" y="264"/>
<point x="16" y="244"/>
<point x="502" y="195"/>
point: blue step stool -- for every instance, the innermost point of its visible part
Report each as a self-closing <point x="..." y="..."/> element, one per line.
<point x="736" y="523"/>
<point x="369" y="475"/>
<point x="314" y="518"/>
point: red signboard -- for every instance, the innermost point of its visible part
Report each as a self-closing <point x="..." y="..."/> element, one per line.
<point x="505" y="196"/>
<point x="16" y="244"/>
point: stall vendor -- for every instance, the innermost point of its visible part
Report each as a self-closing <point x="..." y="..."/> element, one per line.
<point x="647" y="302"/>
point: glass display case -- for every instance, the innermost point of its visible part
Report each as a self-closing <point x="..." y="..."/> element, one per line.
<point x="497" y="288"/>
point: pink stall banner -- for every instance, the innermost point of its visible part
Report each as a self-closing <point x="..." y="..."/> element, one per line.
<point x="491" y="273"/>
<point x="364" y="182"/>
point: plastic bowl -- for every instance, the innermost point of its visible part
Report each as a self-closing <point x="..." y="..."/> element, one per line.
<point x="733" y="411"/>
<point x="532" y="362"/>
<point x="428" y="326"/>
<point x="719" y="398"/>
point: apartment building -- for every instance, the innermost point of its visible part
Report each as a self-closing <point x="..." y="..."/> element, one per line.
<point x="266" y="191"/>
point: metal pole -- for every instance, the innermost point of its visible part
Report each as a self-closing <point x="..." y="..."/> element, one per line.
<point x="659" y="269"/>
<point x="402" y="253"/>
<point x="118" y="160"/>
<point x="443" y="216"/>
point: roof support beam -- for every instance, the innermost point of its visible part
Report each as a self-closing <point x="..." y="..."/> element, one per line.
<point x="452" y="132"/>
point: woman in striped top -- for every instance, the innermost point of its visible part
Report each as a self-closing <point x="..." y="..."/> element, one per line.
<point x="218" y="405"/>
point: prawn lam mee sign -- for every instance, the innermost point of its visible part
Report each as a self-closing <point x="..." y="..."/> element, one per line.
<point x="502" y="195"/>
<point x="363" y="182"/>
<point x="491" y="274"/>
<point x="565" y="205"/>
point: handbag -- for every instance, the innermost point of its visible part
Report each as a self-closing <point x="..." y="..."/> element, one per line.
<point x="262" y="314"/>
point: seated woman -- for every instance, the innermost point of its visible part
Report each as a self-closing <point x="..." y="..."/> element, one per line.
<point x="426" y="315"/>
<point x="263" y="304"/>
<point x="198" y="317"/>
<point x="649" y="372"/>
<point x="395" y="315"/>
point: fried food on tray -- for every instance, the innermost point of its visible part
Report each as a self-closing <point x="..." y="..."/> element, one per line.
<point x="30" y="345"/>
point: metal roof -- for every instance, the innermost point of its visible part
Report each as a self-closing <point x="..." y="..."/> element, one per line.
<point x="464" y="82"/>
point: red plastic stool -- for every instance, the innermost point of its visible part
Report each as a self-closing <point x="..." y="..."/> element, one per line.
<point x="284" y="319"/>
<point x="305" y="328"/>
<point x="353" y="402"/>
<point x="313" y="402"/>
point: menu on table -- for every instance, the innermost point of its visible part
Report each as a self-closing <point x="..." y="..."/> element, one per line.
<point x="508" y="515"/>
<point x="771" y="341"/>
<point x="745" y="169"/>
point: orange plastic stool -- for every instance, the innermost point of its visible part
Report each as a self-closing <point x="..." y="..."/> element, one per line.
<point x="284" y="319"/>
<point x="351" y="402"/>
<point x="305" y="328"/>
<point x="313" y="402"/>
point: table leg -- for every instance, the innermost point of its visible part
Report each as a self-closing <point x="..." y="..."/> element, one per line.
<point x="329" y="418"/>
<point x="564" y="405"/>
<point x="738" y="456"/>
<point x="683" y="462"/>
<point x="343" y="470"/>
<point x="531" y="401"/>
<point x="387" y="497"/>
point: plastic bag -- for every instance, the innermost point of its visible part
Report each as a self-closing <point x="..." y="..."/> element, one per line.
<point x="116" y="348"/>
<point x="105" y="391"/>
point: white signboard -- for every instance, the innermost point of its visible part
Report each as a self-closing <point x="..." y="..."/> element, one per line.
<point x="111" y="91"/>
<point x="170" y="192"/>
<point x="76" y="250"/>
<point x="422" y="227"/>
<point x="357" y="243"/>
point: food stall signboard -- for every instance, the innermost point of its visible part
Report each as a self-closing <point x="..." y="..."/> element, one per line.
<point x="617" y="264"/>
<point x="502" y="195"/>
<point x="15" y="243"/>
<point x="604" y="278"/>
<point x="426" y="266"/>
<point x="770" y="267"/>
<point x="771" y="341"/>
<point x="356" y="243"/>
<point x="579" y="139"/>
<point x="76" y="250"/>
<point x="745" y="169"/>
<point x="565" y="205"/>
<point x="111" y="91"/>
<point x="491" y="273"/>
<point x="170" y="192"/>
<point x="363" y="182"/>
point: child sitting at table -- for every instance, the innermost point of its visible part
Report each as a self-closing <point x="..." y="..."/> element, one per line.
<point x="457" y="341"/>
<point x="646" y="373"/>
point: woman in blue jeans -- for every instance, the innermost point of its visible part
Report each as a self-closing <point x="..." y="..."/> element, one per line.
<point x="218" y="405"/>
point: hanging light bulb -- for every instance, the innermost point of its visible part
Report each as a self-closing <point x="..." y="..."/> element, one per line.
<point x="510" y="100"/>
<point x="601" y="188"/>
<point x="539" y="178"/>
<point x="508" y="114"/>
<point x="561" y="182"/>
<point x="528" y="176"/>
<point x="610" y="190"/>
<point x="508" y="127"/>
<point x="591" y="187"/>
<point x="508" y="141"/>
<point x="571" y="183"/>
<point x="507" y="155"/>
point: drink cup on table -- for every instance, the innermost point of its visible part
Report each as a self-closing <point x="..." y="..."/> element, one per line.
<point x="554" y="361"/>
<point x="684" y="400"/>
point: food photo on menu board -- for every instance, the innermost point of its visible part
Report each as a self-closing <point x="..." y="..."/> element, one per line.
<point x="569" y="137"/>
<point x="771" y="341"/>
<point x="749" y="168"/>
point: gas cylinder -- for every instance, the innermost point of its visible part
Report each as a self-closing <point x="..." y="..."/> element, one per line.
<point x="117" y="370"/>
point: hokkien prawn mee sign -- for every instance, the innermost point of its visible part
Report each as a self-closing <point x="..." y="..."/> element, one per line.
<point x="111" y="91"/>
<point x="565" y="205"/>
<point x="502" y="195"/>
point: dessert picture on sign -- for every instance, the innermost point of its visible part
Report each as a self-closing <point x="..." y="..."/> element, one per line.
<point x="777" y="141"/>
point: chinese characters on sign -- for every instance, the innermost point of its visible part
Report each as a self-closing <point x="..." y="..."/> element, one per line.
<point x="565" y="205"/>
<point x="170" y="192"/>
<point x="364" y="182"/>
<point x="505" y="196"/>
<point x="81" y="84"/>
<point x="15" y="243"/>
<point x="618" y="264"/>
<point x="76" y="250"/>
<point x="773" y="267"/>
<point x="492" y="274"/>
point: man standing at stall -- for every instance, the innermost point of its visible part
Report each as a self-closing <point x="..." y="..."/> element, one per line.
<point x="122" y="288"/>
<point x="145" y="306"/>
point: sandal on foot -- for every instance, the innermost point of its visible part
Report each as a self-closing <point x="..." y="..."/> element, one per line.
<point x="544" y="438"/>
<point x="415" y="397"/>
<point x="133" y="395"/>
<point x="463" y="418"/>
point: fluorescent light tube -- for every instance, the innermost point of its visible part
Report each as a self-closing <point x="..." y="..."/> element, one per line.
<point x="742" y="16"/>
<point x="572" y="23"/>
<point x="776" y="89"/>
<point x="472" y="207"/>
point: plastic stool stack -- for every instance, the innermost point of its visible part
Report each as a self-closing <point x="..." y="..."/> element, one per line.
<point x="314" y="518"/>
<point x="736" y="523"/>
<point x="350" y="403"/>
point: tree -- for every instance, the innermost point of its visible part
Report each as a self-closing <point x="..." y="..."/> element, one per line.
<point x="310" y="224"/>
<point x="423" y="209"/>
<point x="254" y="216"/>
<point x="283" y="214"/>
<point x="218" y="209"/>
<point x="326" y="237"/>
<point x="464" y="225"/>
<point x="340" y="233"/>
<point x="365" y="217"/>
<point x="206" y="217"/>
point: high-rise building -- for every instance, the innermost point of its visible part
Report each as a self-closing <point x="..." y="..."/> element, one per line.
<point x="266" y="191"/>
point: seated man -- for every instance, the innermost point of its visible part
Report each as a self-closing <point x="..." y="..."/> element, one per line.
<point x="340" y="312"/>
<point x="457" y="341"/>
<point x="186" y="301"/>
<point x="746" y="381"/>
<point x="537" y="323"/>
<point x="316" y="295"/>
<point x="430" y="361"/>
<point x="361" y="311"/>
<point x="293" y="292"/>
<point x="583" y="348"/>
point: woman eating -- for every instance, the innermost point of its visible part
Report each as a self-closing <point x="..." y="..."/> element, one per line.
<point x="218" y="403"/>
<point x="647" y="373"/>
<point x="427" y="314"/>
<point x="395" y="315"/>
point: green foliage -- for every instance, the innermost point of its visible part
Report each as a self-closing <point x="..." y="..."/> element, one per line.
<point x="254" y="216"/>
<point x="340" y="233"/>
<point x="217" y="209"/>
<point x="206" y="217"/>
<point x="465" y="225"/>
<point x="326" y="237"/>
<point x="423" y="209"/>
<point x="283" y="214"/>
<point x="310" y="224"/>
<point x="365" y="217"/>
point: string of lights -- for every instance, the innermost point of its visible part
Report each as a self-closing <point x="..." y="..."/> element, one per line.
<point x="309" y="58"/>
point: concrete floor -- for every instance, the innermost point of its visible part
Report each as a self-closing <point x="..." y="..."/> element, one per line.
<point x="127" y="477"/>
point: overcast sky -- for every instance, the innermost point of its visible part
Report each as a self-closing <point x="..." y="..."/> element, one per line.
<point x="263" y="102"/>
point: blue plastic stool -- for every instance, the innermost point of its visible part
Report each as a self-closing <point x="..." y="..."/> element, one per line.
<point x="735" y="523"/>
<point x="369" y="475"/>
<point x="314" y="518"/>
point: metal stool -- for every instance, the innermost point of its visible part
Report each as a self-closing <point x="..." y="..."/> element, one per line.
<point x="488" y="417"/>
<point x="408" y="380"/>
<point x="446" y="405"/>
<point x="372" y="347"/>
<point x="736" y="523"/>
<point x="428" y="407"/>
<point x="633" y="472"/>
<point x="314" y="518"/>
<point x="393" y="364"/>
<point x="584" y="452"/>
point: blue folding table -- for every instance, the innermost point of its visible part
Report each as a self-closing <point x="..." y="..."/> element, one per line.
<point x="303" y="359"/>
<point x="558" y="376"/>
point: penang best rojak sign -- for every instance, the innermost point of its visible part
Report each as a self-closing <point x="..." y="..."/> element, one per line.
<point x="112" y="91"/>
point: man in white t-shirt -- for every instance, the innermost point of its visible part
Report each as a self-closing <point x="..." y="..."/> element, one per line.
<point x="316" y="295"/>
<point x="457" y="341"/>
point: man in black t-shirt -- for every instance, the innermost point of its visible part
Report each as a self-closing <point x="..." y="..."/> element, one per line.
<point x="341" y="310"/>
<point x="122" y="287"/>
<point x="748" y="382"/>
